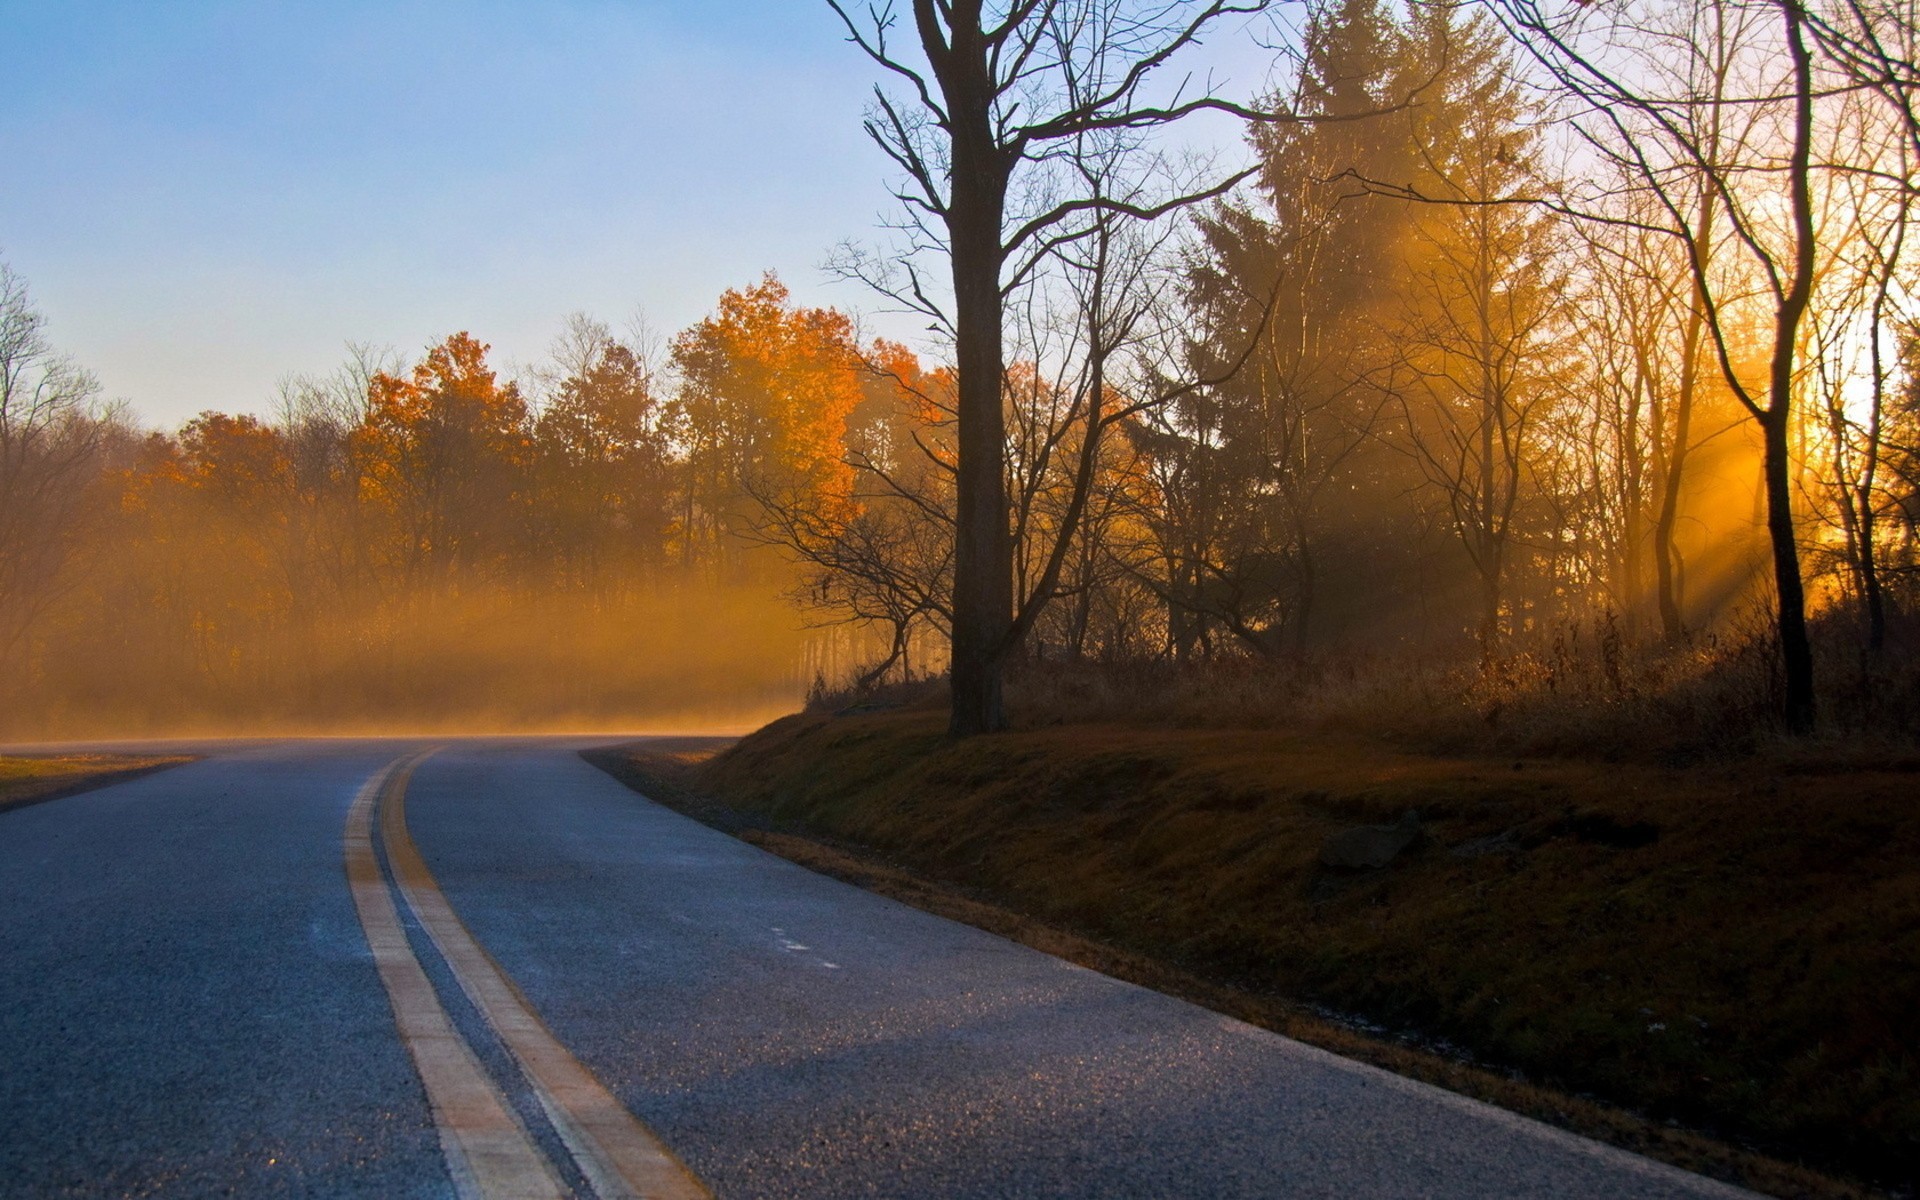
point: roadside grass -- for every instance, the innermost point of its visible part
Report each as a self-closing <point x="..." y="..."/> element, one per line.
<point x="30" y="779"/>
<point x="1731" y="948"/>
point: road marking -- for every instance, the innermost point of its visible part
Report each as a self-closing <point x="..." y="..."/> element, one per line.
<point x="488" y="1152"/>
<point x="620" y="1157"/>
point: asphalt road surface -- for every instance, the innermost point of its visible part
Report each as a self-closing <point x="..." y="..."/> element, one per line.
<point x="356" y="968"/>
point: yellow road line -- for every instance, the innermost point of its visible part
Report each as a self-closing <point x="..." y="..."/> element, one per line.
<point x="620" y="1157"/>
<point x="488" y="1152"/>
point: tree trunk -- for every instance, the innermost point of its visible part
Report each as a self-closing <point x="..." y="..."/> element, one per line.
<point x="1869" y="534"/>
<point x="983" y="543"/>
<point x="1632" y="592"/>
<point x="1303" y="610"/>
<point x="1489" y="615"/>
<point x="1870" y="581"/>
<point x="1077" y="626"/>
<point x="1667" y="584"/>
<point x="1796" y="651"/>
<point x="1870" y="469"/>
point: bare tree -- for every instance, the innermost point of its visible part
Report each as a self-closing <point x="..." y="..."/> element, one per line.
<point x="48" y="437"/>
<point x="1785" y="67"/>
<point x="1000" y="101"/>
<point x="1853" y="347"/>
<point x="1095" y="328"/>
<point x="889" y="564"/>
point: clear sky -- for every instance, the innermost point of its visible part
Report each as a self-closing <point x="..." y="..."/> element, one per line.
<point x="208" y="195"/>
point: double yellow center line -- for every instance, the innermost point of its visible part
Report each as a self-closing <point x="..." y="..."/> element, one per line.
<point x="488" y="1150"/>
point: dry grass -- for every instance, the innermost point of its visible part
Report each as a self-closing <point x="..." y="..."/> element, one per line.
<point x="1580" y="691"/>
<point x="1749" y="972"/>
<point x="30" y="779"/>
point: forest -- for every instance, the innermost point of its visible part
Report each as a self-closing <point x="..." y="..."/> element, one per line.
<point x="1543" y="377"/>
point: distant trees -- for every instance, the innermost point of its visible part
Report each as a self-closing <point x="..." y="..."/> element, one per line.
<point x="393" y="515"/>
<point x="604" y="460"/>
<point x="445" y="452"/>
<point x="50" y="436"/>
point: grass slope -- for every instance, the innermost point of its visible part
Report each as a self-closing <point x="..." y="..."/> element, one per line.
<point x="1735" y="948"/>
<point x="30" y="779"/>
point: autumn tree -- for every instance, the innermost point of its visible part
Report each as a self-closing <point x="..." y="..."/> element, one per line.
<point x="766" y="388"/>
<point x="319" y="418"/>
<point x="604" y="458"/>
<point x="444" y="451"/>
<point x="239" y="575"/>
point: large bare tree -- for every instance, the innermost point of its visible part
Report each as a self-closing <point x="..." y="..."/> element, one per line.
<point x="1002" y="100"/>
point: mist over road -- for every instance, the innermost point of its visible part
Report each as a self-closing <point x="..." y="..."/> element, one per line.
<point x="191" y="1004"/>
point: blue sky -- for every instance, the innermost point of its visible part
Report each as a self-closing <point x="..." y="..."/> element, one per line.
<point x="207" y="196"/>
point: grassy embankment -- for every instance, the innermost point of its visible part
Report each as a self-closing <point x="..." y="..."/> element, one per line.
<point x="29" y="779"/>
<point x="1731" y="948"/>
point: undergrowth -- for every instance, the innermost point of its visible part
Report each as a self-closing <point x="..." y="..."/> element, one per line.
<point x="1579" y="690"/>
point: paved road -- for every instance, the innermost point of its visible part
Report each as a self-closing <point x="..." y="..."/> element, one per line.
<point x="191" y="1004"/>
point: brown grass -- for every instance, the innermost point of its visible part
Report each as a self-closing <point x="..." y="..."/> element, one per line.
<point x="31" y="779"/>
<point x="1750" y="973"/>
<point x="1576" y="690"/>
<point x="1579" y="691"/>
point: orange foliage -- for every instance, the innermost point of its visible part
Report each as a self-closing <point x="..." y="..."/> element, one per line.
<point x="903" y="411"/>
<point x="239" y="459"/>
<point x="768" y="392"/>
<point x="445" y="451"/>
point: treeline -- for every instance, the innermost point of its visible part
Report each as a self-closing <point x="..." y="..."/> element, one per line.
<point x="1454" y="377"/>
<point x="428" y="542"/>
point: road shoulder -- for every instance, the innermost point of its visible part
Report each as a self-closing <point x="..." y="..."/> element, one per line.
<point x="27" y="779"/>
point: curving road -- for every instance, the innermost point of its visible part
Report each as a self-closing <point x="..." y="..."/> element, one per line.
<point x="343" y="968"/>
